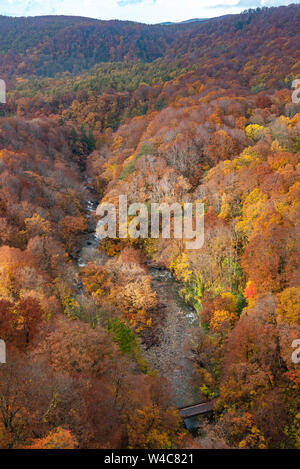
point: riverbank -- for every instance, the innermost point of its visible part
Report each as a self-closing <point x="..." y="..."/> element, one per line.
<point x="178" y="323"/>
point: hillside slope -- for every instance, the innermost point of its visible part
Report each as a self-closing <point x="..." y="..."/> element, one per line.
<point x="49" y="45"/>
<point x="86" y="322"/>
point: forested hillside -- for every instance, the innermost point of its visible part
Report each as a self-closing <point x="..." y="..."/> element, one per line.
<point x="49" y="45"/>
<point x="197" y="112"/>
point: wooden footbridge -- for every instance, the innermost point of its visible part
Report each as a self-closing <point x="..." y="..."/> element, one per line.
<point x="197" y="409"/>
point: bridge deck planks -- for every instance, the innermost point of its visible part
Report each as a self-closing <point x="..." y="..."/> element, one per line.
<point x="197" y="409"/>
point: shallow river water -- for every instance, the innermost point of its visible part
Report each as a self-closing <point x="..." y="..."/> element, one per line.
<point x="171" y="357"/>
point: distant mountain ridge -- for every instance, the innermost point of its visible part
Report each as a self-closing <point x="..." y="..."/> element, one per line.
<point x="194" y="20"/>
<point x="49" y="45"/>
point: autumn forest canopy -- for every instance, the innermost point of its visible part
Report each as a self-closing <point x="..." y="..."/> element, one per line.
<point x="101" y="347"/>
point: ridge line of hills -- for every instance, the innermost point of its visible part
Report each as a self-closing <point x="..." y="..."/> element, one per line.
<point x="46" y="46"/>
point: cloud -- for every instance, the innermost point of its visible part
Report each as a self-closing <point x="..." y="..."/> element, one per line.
<point x="251" y="3"/>
<point x="29" y="7"/>
<point x="241" y="3"/>
<point x="124" y="3"/>
<point x="277" y="3"/>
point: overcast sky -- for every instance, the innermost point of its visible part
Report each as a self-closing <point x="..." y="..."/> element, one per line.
<point x="147" y="11"/>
